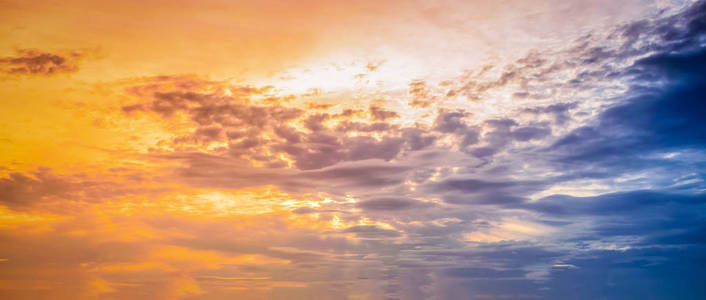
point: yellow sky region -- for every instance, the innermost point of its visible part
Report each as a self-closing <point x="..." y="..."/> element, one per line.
<point x="222" y="38"/>
<point x="262" y="40"/>
<point x="50" y="122"/>
<point x="106" y="247"/>
<point x="72" y="126"/>
<point x="167" y="248"/>
<point x="125" y="27"/>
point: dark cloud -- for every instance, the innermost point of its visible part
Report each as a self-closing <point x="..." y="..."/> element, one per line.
<point x="560" y="111"/>
<point x="391" y="204"/>
<point x="480" y="273"/>
<point x="453" y="122"/>
<point x="500" y="133"/>
<point x="380" y="114"/>
<point x="367" y="174"/>
<point x="45" y="190"/>
<point x="612" y="204"/>
<point x="659" y="119"/>
<point x="417" y="139"/>
<point x="371" y="232"/>
<point x="19" y="190"/>
<point x="496" y="198"/>
<point x="205" y="170"/>
<point x="264" y="132"/>
<point x="529" y="133"/>
<point x="474" y="185"/>
<point x="36" y="62"/>
<point x="346" y="126"/>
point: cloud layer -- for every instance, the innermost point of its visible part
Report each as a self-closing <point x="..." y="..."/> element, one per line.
<point x="575" y="170"/>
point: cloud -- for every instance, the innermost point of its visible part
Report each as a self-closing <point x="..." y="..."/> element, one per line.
<point x="612" y="204"/>
<point x="654" y="120"/>
<point x="39" y="63"/>
<point x="572" y="171"/>
<point x="379" y="114"/>
<point x="265" y="132"/>
<point x="371" y="232"/>
<point x="484" y="273"/>
<point x="529" y="133"/>
<point x="452" y="122"/>
<point x="20" y="190"/>
<point x="388" y="204"/>
<point x="362" y="175"/>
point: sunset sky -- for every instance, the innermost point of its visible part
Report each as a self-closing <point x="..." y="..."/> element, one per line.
<point x="482" y="149"/>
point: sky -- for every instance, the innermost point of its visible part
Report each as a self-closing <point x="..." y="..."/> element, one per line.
<point x="312" y="149"/>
